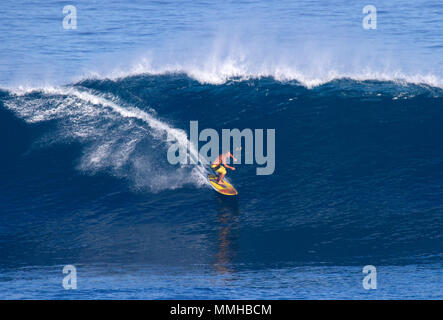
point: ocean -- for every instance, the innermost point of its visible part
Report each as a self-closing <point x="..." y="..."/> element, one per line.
<point x="86" y="117"/>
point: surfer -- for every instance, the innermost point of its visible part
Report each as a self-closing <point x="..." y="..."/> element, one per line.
<point x="219" y="165"/>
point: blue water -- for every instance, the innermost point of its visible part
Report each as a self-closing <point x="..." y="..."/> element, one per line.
<point x="84" y="120"/>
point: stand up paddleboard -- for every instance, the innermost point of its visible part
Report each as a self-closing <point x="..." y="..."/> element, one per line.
<point x="226" y="188"/>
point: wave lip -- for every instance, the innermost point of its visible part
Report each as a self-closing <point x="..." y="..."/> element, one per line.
<point x="217" y="71"/>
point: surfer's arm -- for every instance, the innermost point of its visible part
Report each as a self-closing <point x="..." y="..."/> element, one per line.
<point x="227" y="166"/>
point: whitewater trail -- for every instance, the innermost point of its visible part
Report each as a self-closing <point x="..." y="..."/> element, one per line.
<point x="111" y="138"/>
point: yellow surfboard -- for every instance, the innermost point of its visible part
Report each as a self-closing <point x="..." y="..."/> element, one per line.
<point x="226" y="188"/>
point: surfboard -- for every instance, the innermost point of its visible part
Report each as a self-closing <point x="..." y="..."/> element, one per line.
<point x="227" y="189"/>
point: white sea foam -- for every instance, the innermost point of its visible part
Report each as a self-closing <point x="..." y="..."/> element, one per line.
<point x="230" y="70"/>
<point x="226" y="57"/>
<point x="311" y="67"/>
<point x="129" y="142"/>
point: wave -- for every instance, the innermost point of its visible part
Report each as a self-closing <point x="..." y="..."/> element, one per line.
<point x="358" y="167"/>
<point x="125" y="125"/>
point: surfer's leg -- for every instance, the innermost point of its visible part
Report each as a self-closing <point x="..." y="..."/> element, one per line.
<point x="217" y="170"/>
<point x="221" y="174"/>
<point x="220" y="177"/>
